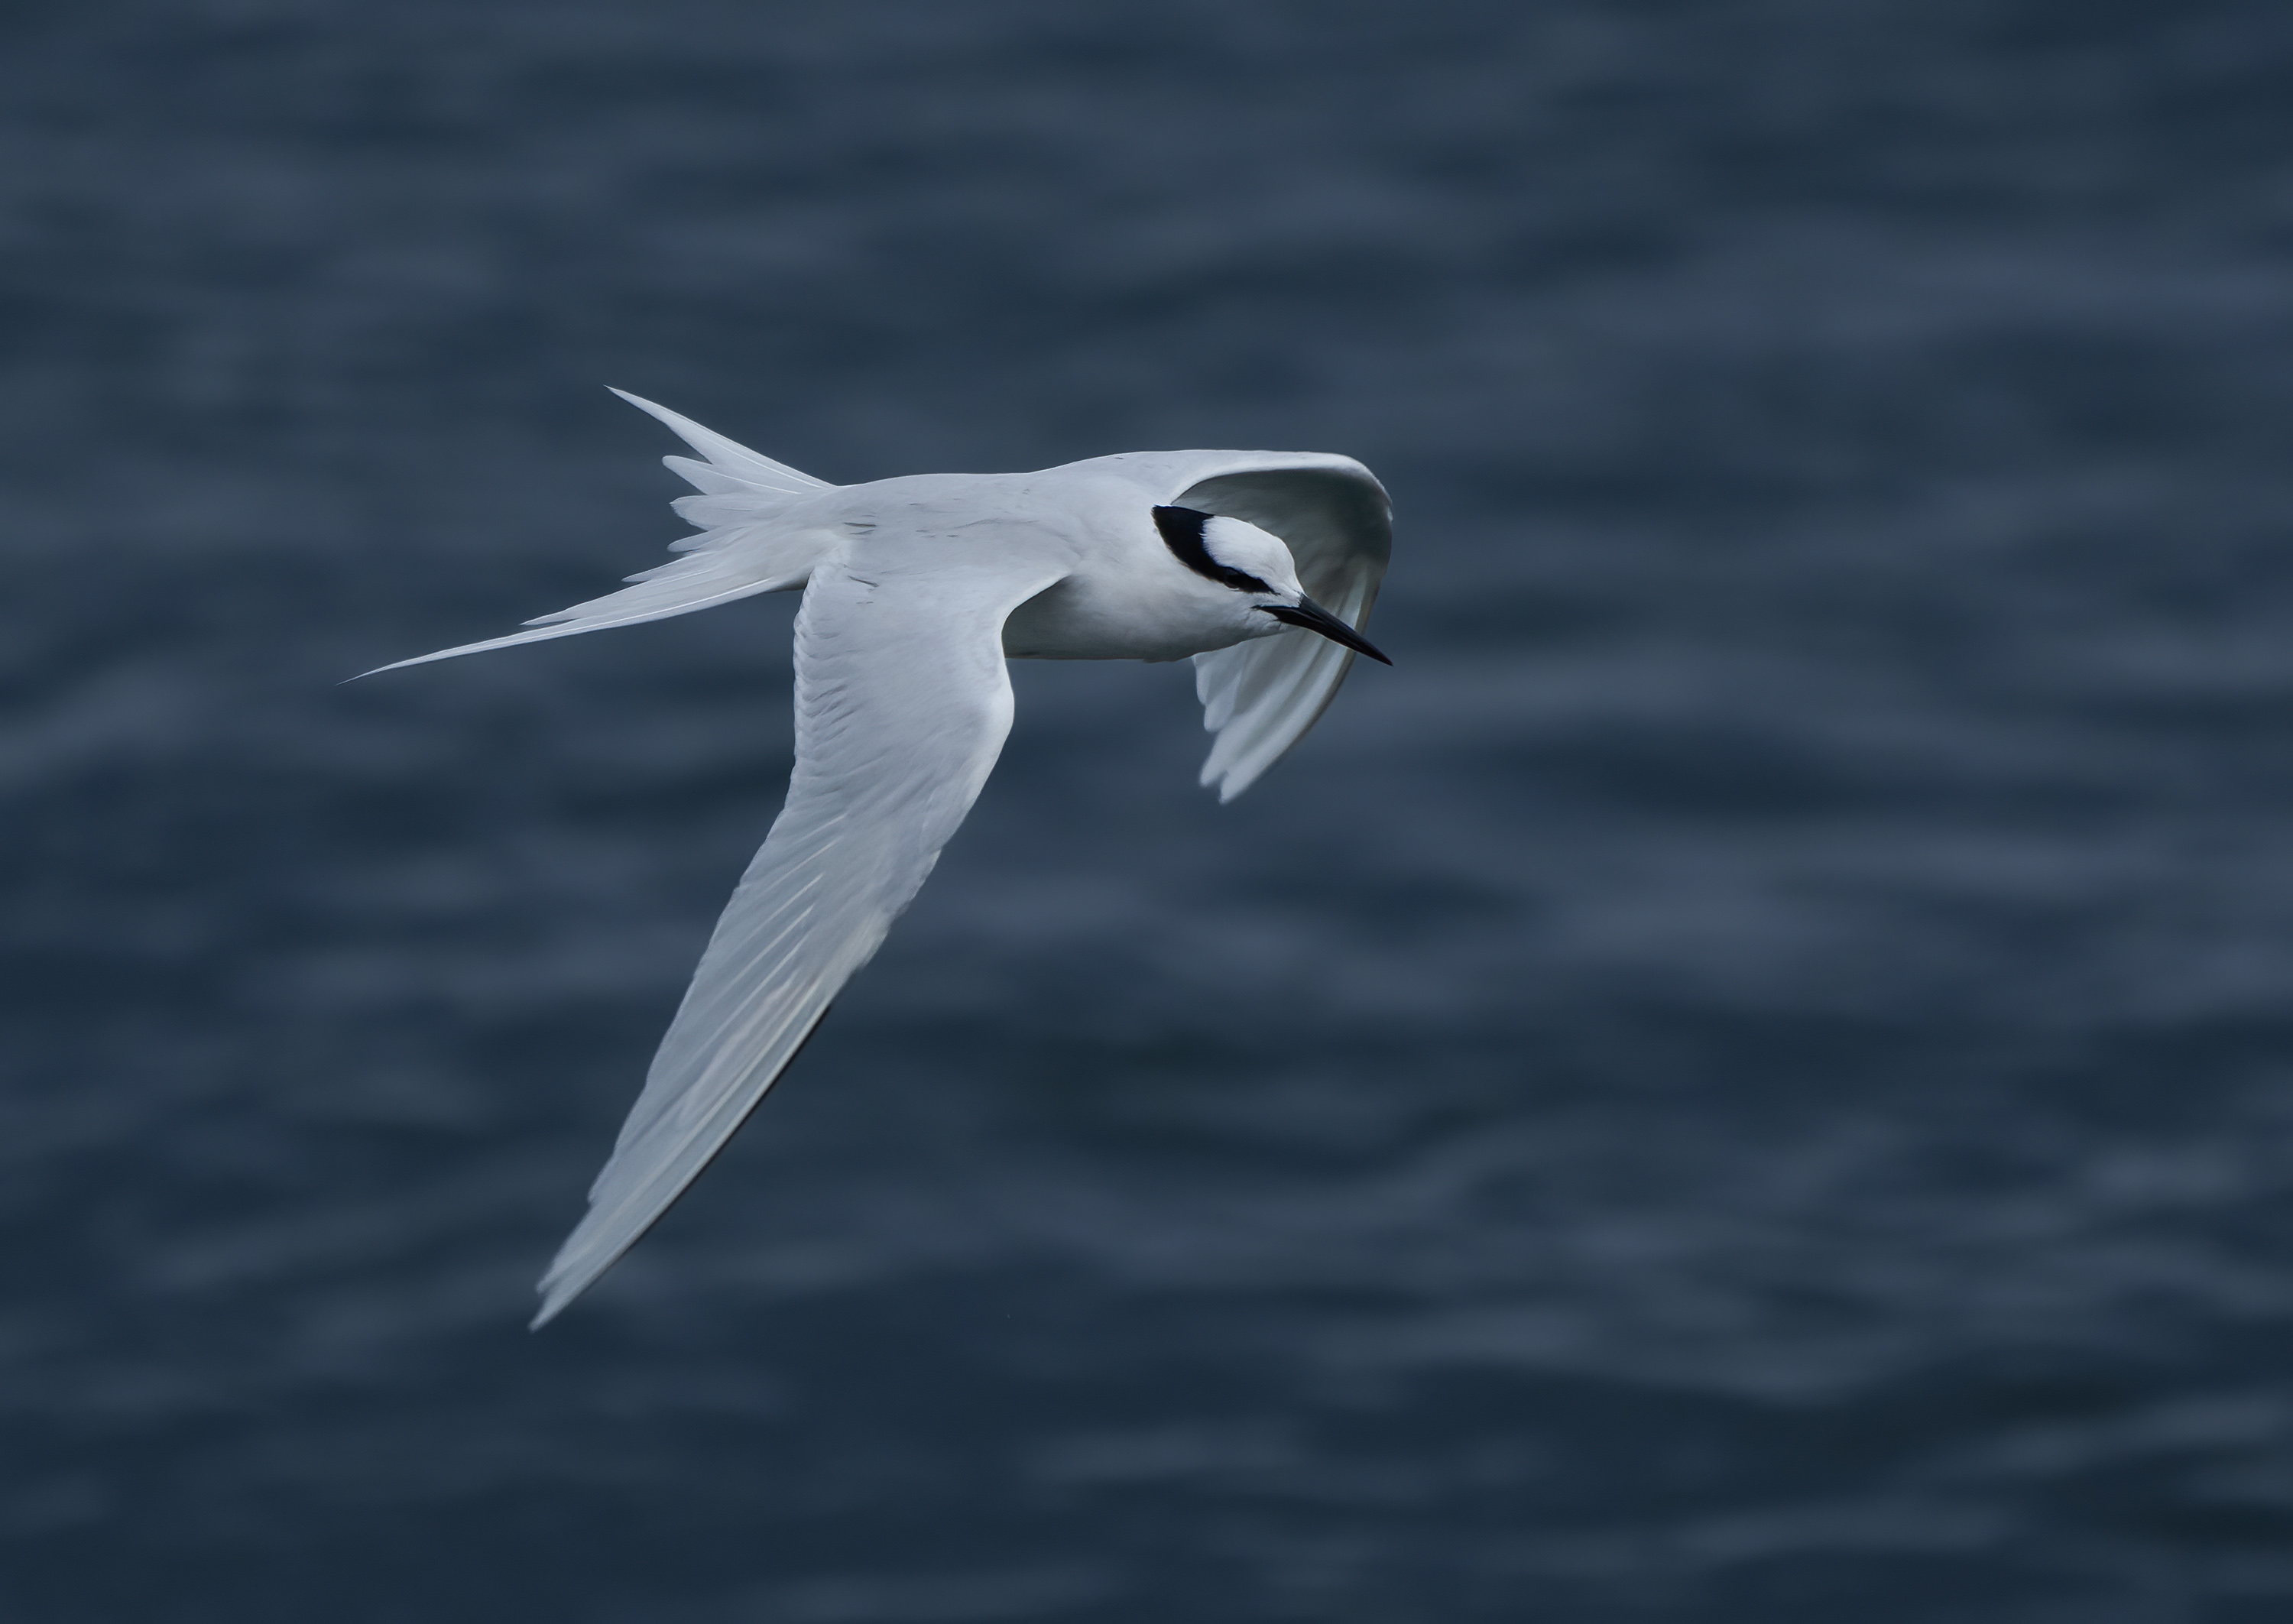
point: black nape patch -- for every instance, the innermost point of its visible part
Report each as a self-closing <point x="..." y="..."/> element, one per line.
<point x="1182" y="533"/>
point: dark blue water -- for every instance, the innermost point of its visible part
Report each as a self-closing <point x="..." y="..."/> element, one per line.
<point x="1748" y="1078"/>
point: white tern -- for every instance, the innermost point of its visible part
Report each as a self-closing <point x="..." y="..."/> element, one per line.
<point x="1259" y="565"/>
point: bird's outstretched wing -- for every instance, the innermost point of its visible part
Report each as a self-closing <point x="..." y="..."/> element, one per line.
<point x="902" y="703"/>
<point x="1260" y="696"/>
<point x="754" y="538"/>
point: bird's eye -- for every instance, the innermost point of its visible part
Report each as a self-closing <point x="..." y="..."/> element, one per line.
<point x="1182" y="533"/>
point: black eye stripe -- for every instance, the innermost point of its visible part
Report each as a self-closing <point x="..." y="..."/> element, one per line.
<point x="1182" y="533"/>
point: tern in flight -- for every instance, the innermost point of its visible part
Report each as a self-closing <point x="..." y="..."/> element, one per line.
<point x="1259" y="565"/>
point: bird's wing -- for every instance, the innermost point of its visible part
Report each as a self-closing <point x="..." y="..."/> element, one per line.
<point x="1260" y="696"/>
<point x="902" y="704"/>
<point x="757" y="536"/>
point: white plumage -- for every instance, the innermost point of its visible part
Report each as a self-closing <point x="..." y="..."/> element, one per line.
<point x="1261" y="565"/>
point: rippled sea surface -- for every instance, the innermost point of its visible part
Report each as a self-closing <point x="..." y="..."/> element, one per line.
<point x="1750" y="1078"/>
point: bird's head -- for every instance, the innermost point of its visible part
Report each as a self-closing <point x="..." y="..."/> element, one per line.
<point x="1256" y="566"/>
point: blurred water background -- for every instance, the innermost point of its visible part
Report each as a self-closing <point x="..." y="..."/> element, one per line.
<point x="1750" y="1078"/>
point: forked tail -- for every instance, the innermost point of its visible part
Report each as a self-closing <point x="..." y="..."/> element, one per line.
<point x="751" y="541"/>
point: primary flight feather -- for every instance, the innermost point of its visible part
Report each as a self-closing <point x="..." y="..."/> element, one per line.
<point x="1261" y="566"/>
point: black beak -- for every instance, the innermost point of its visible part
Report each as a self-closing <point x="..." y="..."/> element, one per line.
<point x="1314" y="617"/>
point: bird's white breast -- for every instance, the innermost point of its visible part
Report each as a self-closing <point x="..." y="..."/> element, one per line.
<point x="1090" y="616"/>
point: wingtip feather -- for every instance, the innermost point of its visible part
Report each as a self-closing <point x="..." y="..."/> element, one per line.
<point x="568" y="1275"/>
